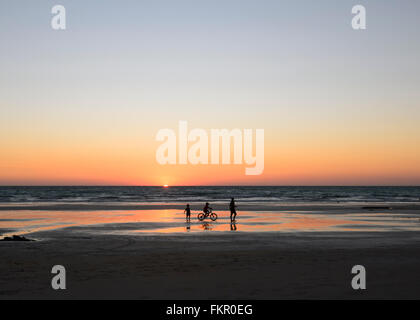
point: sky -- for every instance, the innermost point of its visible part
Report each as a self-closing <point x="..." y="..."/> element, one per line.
<point x="82" y="106"/>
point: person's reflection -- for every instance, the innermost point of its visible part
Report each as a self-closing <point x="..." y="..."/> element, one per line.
<point x="206" y="226"/>
<point x="233" y="226"/>
<point x="188" y="226"/>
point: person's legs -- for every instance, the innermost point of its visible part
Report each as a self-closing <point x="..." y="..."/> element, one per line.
<point x="234" y="215"/>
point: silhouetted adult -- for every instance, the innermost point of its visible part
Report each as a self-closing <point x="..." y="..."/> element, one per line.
<point x="232" y="208"/>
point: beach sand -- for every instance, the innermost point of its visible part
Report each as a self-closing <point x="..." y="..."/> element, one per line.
<point x="102" y="262"/>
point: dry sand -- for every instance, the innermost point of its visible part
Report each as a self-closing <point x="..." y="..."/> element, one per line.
<point x="212" y="265"/>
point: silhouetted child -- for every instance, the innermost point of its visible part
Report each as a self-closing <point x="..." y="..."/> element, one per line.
<point x="207" y="208"/>
<point x="187" y="211"/>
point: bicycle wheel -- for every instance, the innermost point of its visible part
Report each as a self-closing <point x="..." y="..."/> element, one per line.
<point x="213" y="216"/>
<point x="201" y="216"/>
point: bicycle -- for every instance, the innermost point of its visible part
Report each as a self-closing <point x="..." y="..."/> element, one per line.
<point x="213" y="216"/>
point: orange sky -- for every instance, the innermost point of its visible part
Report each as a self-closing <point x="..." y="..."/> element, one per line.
<point x="296" y="161"/>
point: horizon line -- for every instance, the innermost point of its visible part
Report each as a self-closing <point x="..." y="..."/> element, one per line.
<point x="172" y="186"/>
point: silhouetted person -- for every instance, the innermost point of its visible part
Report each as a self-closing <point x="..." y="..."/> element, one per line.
<point x="187" y="212"/>
<point x="232" y="208"/>
<point x="207" y="208"/>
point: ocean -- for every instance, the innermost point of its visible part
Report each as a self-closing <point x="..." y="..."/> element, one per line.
<point x="258" y="194"/>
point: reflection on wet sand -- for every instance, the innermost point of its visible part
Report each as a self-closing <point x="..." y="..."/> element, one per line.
<point x="173" y="221"/>
<point x="206" y="226"/>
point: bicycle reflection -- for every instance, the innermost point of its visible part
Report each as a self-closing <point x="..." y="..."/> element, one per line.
<point x="207" y="226"/>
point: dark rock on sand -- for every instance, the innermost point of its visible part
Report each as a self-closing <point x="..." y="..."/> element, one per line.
<point x="16" y="238"/>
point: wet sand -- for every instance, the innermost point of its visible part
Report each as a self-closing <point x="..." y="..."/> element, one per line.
<point x="137" y="260"/>
<point x="309" y="207"/>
